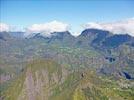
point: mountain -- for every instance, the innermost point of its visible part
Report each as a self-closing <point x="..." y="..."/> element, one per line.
<point x="103" y="39"/>
<point x="17" y="34"/>
<point x="92" y="37"/>
<point x="58" y="38"/>
<point x="45" y="79"/>
<point x="11" y="34"/>
<point x="96" y="65"/>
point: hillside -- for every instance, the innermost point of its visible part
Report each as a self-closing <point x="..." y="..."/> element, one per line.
<point x="45" y="79"/>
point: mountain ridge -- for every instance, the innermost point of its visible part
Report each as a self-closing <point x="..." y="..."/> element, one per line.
<point x="78" y="68"/>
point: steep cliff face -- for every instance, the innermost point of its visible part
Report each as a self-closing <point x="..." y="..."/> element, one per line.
<point x="36" y="81"/>
<point x="47" y="80"/>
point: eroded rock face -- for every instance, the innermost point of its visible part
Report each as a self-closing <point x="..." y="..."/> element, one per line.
<point x="30" y="85"/>
<point x="33" y="86"/>
<point x="39" y="82"/>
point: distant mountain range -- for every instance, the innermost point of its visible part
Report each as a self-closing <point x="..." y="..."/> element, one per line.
<point x="94" y="37"/>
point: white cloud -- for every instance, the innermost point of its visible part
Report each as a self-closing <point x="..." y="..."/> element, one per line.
<point x="47" y="28"/>
<point x="4" y="27"/>
<point x="119" y="27"/>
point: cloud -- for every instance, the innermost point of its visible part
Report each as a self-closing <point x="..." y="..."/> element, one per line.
<point x="118" y="27"/>
<point x="47" y="28"/>
<point x="4" y="27"/>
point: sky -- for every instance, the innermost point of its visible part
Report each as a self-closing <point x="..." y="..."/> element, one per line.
<point x="25" y="13"/>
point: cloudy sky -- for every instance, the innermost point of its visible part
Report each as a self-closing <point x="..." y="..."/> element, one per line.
<point x="61" y="15"/>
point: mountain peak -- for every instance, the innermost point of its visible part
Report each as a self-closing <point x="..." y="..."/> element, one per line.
<point x="53" y="34"/>
<point x="94" y="31"/>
